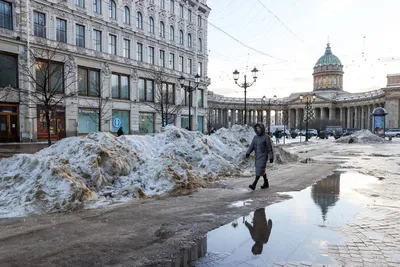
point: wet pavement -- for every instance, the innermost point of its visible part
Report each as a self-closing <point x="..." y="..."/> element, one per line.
<point x="8" y="150"/>
<point x="326" y="224"/>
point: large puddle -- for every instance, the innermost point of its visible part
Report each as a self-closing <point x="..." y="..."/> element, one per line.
<point x="296" y="230"/>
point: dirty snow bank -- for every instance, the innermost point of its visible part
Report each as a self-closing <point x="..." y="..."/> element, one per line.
<point x="362" y="136"/>
<point x="77" y="171"/>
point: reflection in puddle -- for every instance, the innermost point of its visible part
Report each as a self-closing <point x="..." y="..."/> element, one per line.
<point x="295" y="230"/>
<point x="241" y="203"/>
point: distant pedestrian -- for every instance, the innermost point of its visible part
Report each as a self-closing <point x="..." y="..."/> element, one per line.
<point x="277" y="135"/>
<point x="262" y="147"/>
<point x="120" y="132"/>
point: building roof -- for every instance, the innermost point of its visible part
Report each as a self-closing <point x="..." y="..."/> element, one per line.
<point x="328" y="58"/>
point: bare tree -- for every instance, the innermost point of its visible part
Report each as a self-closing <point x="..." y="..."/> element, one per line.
<point x="164" y="98"/>
<point x="50" y="73"/>
<point x="210" y="116"/>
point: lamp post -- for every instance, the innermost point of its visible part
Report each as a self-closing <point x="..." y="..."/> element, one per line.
<point x="264" y="100"/>
<point x="245" y="85"/>
<point x="190" y="89"/>
<point x="307" y="100"/>
<point x="269" y="114"/>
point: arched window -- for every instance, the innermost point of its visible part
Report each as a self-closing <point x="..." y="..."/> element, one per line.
<point x="181" y="37"/>
<point x="200" y="45"/>
<point x="334" y="80"/>
<point x="189" y="40"/>
<point x="151" y="25"/>
<point x="171" y="33"/>
<point x="127" y="15"/>
<point x="199" y="20"/>
<point x="162" y="29"/>
<point x="113" y="10"/>
<point x="139" y="20"/>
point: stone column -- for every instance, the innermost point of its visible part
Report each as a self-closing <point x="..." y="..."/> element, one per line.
<point x="298" y="119"/>
<point x="343" y="117"/>
<point x="276" y="117"/>
<point x="233" y="117"/>
<point x="362" y="125"/>
<point x="392" y="107"/>
<point x="369" y="117"/>
<point x="356" y="118"/>
<point x="220" y="117"/>
<point x="332" y="114"/>
<point x="349" y="120"/>
<point x="240" y="116"/>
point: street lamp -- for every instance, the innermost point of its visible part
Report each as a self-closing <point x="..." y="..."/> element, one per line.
<point x="245" y="85"/>
<point x="264" y="100"/>
<point x="269" y="113"/>
<point x="307" y="100"/>
<point x="190" y="89"/>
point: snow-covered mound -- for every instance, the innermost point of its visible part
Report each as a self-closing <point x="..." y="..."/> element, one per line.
<point x="362" y="136"/>
<point x="77" y="171"/>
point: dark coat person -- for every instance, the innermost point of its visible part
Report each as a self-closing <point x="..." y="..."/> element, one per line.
<point x="259" y="231"/>
<point x="262" y="147"/>
<point x="120" y="132"/>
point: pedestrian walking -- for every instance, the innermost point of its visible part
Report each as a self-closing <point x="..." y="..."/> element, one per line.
<point x="120" y="132"/>
<point x="277" y="135"/>
<point x="262" y="147"/>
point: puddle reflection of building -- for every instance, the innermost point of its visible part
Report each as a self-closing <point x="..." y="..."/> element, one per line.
<point x="259" y="231"/>
<point x="325" y="193"/>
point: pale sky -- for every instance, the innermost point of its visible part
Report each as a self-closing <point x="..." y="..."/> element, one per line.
<point x="346" y="22"/>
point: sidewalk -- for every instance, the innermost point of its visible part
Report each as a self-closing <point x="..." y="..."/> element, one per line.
<point x="9" y="149"/>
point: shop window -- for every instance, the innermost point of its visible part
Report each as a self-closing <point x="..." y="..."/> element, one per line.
<point x="146" y="90"/>
<point x="88" y="121"/>
<point x="185" y="121"/>
<point x="8" y="71"/>
<point x="146" y="123"/>
<point x="200" y="120"/>
<point x="120" y="118"/>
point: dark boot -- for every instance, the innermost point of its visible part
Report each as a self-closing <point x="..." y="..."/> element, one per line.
<point x="253" y="186"/>
<point x="266" y="184"/>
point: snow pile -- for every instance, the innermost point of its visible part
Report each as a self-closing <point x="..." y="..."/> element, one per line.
<point x="77" y="171"/>
<point x="362" y="136"/>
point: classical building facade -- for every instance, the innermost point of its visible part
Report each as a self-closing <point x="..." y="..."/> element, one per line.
<point x="332" y="103"/>
<point x="114" y="48"/>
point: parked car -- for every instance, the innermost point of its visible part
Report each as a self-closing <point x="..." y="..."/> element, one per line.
<point x="328" y="132"/>
<point x="311" y="132"/>
<point x="392" y="132"/>
<point x="350" y="132"/>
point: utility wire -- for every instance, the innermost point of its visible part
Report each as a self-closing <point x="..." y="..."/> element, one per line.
<point x="280" y="21"/>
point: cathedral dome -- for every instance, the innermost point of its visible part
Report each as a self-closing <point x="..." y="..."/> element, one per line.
<point x="328" y="58"/>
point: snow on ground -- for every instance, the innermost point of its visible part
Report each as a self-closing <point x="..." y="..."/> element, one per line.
<point x="363" y="136"/>
<point x="101" y="168"/>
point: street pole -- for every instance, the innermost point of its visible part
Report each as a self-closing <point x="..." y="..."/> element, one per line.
<point x="245" y="99"/>
<point x="307" y="117"/>
<point x="190" y="105"/>
<point x="269" y="117"/>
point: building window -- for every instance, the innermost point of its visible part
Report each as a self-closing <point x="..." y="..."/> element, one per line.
<point x="172" y="6"/>
<point x="162" y="58"/>
<point x="80" y="35"/>
<point x="190" y="15"/>
<point x="120" y="86"/>
<point x="168" y="91"/>
<point x="181" y="40"/>
<point x="97" y="6"/>
<point x="151" y="25"/>
<point x="139" y="52"/>
<point x="189" y="66"/>
<point x="61" y="32"/>
<point x="162" y="29"/>
<point x="88" y="82"/>
<point x="97" y="40"/>
<point x="6" y="20"/>
<point x="180" y="63"/>
<point x="199" y="21"/>
<point x="185" y="121"/>
<point x="200" y="69"/>
<point x="49" y="76"/>
<point x="171" y="33"/>
<point x="162" y="4"/>
<point x="172" y="61"/>
<point x="88" y="121"/>
<point x="200" y="98"/>
<point x="8" y="71"/>
<point x="112" y="44"/>
<point x="127" y="15"/>
<point x="334" y="80"/>
<point x="127" y="48"/>
<point x="200" y="122"/>
<point x="189" y="41"/>
<point x="146" y="90"/>
<point x="151" y="55"/>
<point x="146" y="123"/>
<point x="121" y="118"/>
<point x="113" y="9"/>
<point x="139" y="20"/>
<point x="187" y="98"/>
<point x="181" y="11"/>
<point x="200" y="45"/>
<point x="39" y="24"/>
<point x="80" y="3"/>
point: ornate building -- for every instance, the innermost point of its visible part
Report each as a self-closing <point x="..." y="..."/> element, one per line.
<point x="332" y="103"/>
<point x="112" y="49"/>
